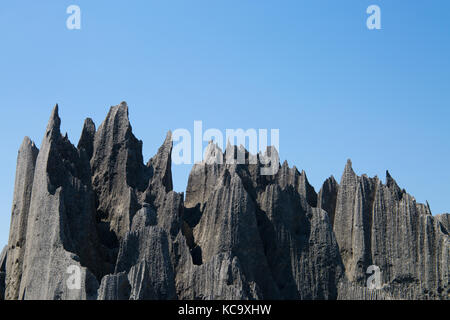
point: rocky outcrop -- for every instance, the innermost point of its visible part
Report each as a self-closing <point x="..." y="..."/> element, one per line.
<point x="26" y="161"/>
<point x="444" y="219"/>
<point x="144" y="255"/>
<point x="117" y="173"/>
<point x="138" y="213"/>
<point x="60" y="230"/>
<point x="95" y="222"/>
<point x="351" y="291"/>
<point x="86" y="141"/>
<point x="380" y="224"/>
<point x="114" y="287"/>
<point x="3" y="257"/>
<point x="263" y="228"/>
<point x="327" y="197"/>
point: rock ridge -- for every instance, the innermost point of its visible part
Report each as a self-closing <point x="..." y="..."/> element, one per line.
<point x="96" y="222"/>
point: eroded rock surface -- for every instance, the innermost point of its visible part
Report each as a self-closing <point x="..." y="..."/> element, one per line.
<point x="26" y="161"/>
<point x="60" y="229"/>
<point x="380" y="224"/>
<point x="263" y="227"/>
<point x="3" y="257"/>
<point x="98" y="214"/>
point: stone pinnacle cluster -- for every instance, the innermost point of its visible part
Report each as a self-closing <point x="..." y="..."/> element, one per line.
<point x="234" y="235"/>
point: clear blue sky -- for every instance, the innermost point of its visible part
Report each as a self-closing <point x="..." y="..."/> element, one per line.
<point x="310" y="68"/>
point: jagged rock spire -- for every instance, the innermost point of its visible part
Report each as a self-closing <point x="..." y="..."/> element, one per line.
<point x="161" y="164"/>
<point x="117" y="170"/>
<point x="61" y="229"/>
<point x="327" y="197"/>
<point x="444" y="219"/>
<point x="87" y="138"/>
<point x="241" y="234"/>
<point x="54" y="123"/>
<point x="26" y="161"/>
<point x="367" y="224"/>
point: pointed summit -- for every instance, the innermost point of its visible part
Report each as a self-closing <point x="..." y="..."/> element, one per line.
<point x="241" y="234"/>
<point x="392" y="184"/>
<point x="213" y="154"/>
<point x="117" y="169"/>
<point x="389" y="180"/>
<point x="54" y="123"/>
<point x="327" y="197"/>
<point x="349" y="166"/>
<point x="87" y="137"/>
<point x="26" y="161"/>
<point x="349" y="176"/>
<point x="161" y="164"/>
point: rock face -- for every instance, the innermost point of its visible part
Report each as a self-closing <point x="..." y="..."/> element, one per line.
<point x="261" y="229"/>
<point x="380" y="224"/>
<point x="60" y="230"/>
<point x="95" y="222"/>
<point x="3" y="257"/>
<point x="117" y="173"/>
<point x="26" y="161"/>
<point x="328" y="196"/>
<point x="444" y="219"/>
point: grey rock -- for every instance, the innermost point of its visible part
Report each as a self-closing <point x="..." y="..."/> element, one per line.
<point x="117" y="171"/>
<point x="114" y="287"/>
<point x="351" y="291"/>
<point x="61" y="226"/>
<point x="382" y="225"/>
<point x="203" y="177"/>
<point x="137" y="206"/>
<point x="161" y="166"/>
<point x="144" y="255"/>
<point x="300" y="245"/>
<point x="86" y="141"/>
<point x="168" y="204"/>
<point x="26" y="161"/>
<point x="327" y="197"/>
<point x="145" y="217"/>
<point x="240" y="234"/>
<point x="352" y="222"/>
<point x="292" y="177"/>
<point x="444" y="219"/>
<point x="3" y="257"/>
<point x="265" y="228"/>
<point x="2" y="285"/>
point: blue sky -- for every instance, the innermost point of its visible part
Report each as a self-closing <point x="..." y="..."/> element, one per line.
<point x="312" y="69"/>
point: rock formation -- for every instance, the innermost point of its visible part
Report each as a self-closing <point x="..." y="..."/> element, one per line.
<point x="60" y="228"/>
<point x="263" y="227"/>
<point x="26" y="161"/>
<point x="95" y="222"/>
<point x="380" y="224"/>
<point x="3" y="257"/>
<point x="444" y="219"/>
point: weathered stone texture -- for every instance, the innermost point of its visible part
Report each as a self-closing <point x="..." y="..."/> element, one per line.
<point x="239" y="234"/>
<point x="380" y="224"/>
<point x="60" y="230"/>
<point x="3" y="257"/>
<point x="26" y="161"/>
